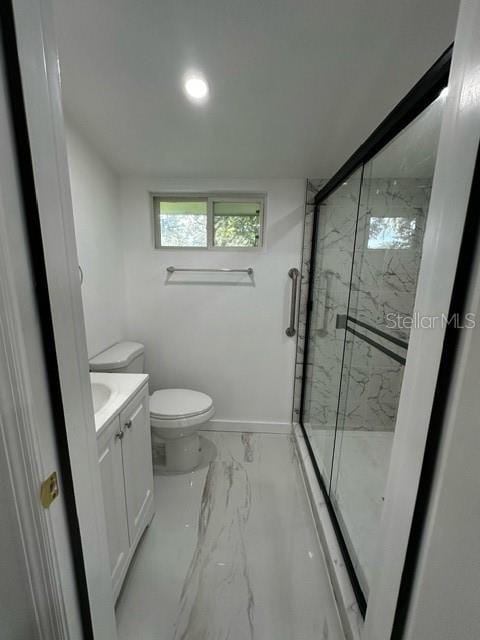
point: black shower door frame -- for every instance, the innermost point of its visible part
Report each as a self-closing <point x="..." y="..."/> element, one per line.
<point x="416" y="100"/>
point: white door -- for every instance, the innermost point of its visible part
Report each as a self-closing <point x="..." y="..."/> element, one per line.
<point x="36" y="54"/>
<point x="17" y="605"/>
<point x="137" y="461"/>
<point x="111" y="471"/>
<point x="37" y="579"/>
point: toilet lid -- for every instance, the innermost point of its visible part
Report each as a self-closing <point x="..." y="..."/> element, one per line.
<point x="173" y="403"/>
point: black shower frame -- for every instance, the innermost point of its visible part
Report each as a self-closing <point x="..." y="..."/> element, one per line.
<point x="417" y="99"/>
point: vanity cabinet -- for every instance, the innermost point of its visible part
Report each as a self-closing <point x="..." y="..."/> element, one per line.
<point x="125" y="461"/>
<point x="137" y="462"/>
<point x="110" y="461"/>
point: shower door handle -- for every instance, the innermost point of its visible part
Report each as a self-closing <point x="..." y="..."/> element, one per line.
<point x="293" y="274"/>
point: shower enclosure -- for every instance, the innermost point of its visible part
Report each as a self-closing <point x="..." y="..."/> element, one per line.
<point x="366" y="255"/>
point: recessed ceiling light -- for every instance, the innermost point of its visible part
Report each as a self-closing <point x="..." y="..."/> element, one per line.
<point x="196" y="88"/>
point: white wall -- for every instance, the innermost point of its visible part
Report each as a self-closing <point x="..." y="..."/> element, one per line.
<point x="228" y="341"/>
<point x="97" y="228"/>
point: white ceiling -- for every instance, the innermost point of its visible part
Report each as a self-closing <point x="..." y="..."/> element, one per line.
<point x="296" y="85"/>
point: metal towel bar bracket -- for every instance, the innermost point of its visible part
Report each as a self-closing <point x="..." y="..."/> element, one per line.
<point x="249" y="270"/>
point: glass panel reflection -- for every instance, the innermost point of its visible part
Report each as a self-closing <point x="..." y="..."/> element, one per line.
<point x="331" y="287"/>
<point x="392" y="214"/>
<point x="367" y="258"/>
<point x="390" y="233"/>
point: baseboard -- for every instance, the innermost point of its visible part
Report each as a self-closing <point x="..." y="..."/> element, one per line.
<point x="248" y="426"/>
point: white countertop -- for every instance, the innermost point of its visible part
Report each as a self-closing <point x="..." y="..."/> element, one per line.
<point x="123" y="387"/>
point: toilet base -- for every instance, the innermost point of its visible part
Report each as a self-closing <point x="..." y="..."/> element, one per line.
<point x="182" y="454"/>
<point x="208" y="453"/>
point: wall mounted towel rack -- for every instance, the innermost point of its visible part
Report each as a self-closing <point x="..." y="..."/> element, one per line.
<point x="249" y="270"/>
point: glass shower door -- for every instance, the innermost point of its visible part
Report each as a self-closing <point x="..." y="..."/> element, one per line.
<point x="366" y="259"/>
<point x="392" y="212"/>
<point x="332" y="265"/>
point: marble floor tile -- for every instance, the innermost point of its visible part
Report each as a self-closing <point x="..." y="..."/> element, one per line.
<point x="358" y="488"/>
<point x="232" y="553"/>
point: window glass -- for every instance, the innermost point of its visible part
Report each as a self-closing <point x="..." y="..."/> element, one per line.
<point x="183" y="224"/>
<point x="236" y="224"/>
<point x="208" y="221"/>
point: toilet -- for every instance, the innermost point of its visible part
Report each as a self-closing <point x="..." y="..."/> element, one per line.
<point x="176" y="415"/>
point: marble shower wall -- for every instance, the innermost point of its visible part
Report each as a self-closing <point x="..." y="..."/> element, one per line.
<point x="313" y="186"/>
<point x="383" y="281"/>
<point x="333" y="265"/>
<point x="386" y="263"/>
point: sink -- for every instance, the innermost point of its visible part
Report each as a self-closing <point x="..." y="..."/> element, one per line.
<point x="111" y="392"/>
<point x="101" y="395"/>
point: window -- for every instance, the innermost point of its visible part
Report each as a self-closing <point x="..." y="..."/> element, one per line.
<point x="182" y="223"/>
<point x="208" y="222"/>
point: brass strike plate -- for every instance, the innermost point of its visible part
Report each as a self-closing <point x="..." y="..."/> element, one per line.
<point x="49" y="490"/>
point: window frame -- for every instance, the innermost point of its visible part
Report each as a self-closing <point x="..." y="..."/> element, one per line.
<point x="210" y="199"/>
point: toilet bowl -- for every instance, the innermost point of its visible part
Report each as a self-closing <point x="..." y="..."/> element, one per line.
<point x="176" y="415"/>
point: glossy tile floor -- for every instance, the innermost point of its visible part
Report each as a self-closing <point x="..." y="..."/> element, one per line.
<point x="358" y="489"/>
<point x="232" y="553"/>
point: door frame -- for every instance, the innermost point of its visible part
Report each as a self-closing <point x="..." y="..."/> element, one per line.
<point x="34" y="80"/>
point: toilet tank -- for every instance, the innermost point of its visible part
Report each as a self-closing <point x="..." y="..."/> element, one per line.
<point x="123" y="357"/>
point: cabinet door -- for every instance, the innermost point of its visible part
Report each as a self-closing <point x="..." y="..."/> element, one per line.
<point x="111" y="472"/>
<point x="137" y="461"/>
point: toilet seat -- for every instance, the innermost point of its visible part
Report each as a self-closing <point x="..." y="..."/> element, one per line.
<point x="177" y="413"/>
<point x="172" y="404"/>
